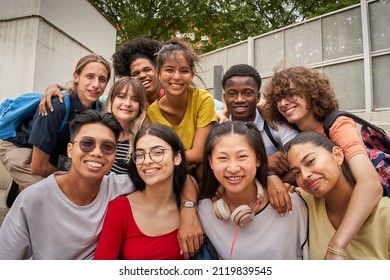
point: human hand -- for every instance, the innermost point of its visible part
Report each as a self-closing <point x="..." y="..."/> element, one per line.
<point x="51" y="91"/>
<point x="291" y="188"/>
<point x="277" y="162"/>
<point x="222" y="118"/>
<point x="190" y="232"/>
<point x="278" y="195"/>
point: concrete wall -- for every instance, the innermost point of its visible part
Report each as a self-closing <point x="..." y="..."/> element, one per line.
<point x="42" y="40"/>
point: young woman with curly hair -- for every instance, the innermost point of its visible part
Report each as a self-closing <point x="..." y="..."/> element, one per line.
<point x="303" y="97"/>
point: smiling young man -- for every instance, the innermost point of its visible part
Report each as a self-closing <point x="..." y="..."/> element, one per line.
<point x="241" y="84"/>
<point x="40" y="149"/>
<point x="61" y="216"/>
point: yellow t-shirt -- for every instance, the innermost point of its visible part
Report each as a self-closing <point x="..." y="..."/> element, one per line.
<point x="200" y="112"/>
<point x="371" y="242"/>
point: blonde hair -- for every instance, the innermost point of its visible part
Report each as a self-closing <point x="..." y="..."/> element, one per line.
<point x="139" y="92"/>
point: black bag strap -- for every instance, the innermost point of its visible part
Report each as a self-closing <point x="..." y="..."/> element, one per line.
<point x="331" y="118"/>
<point x="271" y="137"/>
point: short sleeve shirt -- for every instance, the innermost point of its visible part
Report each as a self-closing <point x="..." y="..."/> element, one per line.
<point x="200" y="112"/>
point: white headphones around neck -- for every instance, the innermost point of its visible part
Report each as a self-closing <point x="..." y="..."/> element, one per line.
<point x="243" y="214"/>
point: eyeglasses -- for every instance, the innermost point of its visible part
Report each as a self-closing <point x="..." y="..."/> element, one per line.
<point x="290" y="96"/>
<point x="87" y="145"/>
<point x="156" y="155"/>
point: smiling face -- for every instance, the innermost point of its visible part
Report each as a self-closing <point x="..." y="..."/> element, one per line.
<point x="125" y="106"/>
<point x="156" y="173"/>
<point x="295" y="107"/>
<point x="241" y="98"/>
<point x="91" y="83"/>
<point x="146" y="72"/>
<point x="94" y="164"/>
<point x="316" y="170"/>
<point x="176" y="74"/>
<point x="234" y="163"/>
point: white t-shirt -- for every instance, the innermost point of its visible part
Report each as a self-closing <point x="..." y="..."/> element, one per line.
<point x="268" y="236"/>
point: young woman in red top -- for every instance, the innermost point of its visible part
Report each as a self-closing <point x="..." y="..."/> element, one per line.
<point x="144" y="224"/>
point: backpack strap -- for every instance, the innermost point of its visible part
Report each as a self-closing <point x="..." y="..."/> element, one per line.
<point x="271" y="137"/>
<point x="68" y="109"/>
<point x="331" y="118"/>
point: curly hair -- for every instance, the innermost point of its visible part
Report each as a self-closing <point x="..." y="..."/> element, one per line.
<point x="309" y="83"/>
<point x="139" y="47"/>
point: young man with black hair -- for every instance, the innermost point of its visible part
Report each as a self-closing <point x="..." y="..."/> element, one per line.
<point x="241" y="84"/>
<point x="60" y="217"/>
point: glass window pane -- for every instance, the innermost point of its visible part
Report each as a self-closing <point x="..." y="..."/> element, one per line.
<point x="237" y="54"/>
<point x="269" y="52"/>
<point x="303" y="44"/>
<point x="381" y="81"/>
<point x="348" y="82"/>
<point x="342" y="34"/>
<point x="380" y="25"/>
<point x="206" y="69"/>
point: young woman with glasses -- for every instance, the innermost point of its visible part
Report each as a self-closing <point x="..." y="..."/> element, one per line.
<point x="144" y="224"/>
<point x="303" y="97"/>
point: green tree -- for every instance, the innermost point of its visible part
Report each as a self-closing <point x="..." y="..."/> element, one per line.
<point x="209" y="24"/>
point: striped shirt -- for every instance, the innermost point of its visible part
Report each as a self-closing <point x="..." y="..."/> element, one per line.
<point x="122" y="158"/>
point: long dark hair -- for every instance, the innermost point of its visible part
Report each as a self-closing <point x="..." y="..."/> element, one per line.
<point x="249" y="130"/>
<point x="168" y="135"/>
<point x="320" y="140"/>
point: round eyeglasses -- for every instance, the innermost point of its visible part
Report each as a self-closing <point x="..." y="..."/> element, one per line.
<point x="87" y="145"/>
<point x="290" y="96"/>
<point x="156" y="155"/>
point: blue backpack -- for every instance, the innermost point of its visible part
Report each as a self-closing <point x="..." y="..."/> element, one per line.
<point x="13" y="112"/>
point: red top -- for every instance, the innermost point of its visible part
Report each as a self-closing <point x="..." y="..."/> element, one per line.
<point x="122" y="239"/>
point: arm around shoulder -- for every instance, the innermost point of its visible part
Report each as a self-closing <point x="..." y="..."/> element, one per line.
<point x="190" y="233"/>
<point x="365" y="196"/>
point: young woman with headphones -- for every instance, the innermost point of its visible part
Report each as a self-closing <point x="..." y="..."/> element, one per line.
<point x="234" y="208"/>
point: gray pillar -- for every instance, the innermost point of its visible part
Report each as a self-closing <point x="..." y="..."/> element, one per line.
<point x="218" y="73"/>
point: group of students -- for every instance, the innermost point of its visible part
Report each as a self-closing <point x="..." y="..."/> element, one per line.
<point x="156" y="169"/>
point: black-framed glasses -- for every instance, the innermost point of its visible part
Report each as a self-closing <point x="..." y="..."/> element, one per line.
<point x="87" y="145"/>
<point x="156" y="155"/>
<point x="290" y="96"/>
